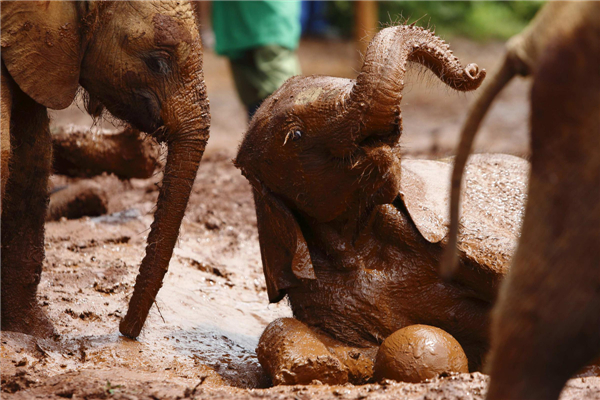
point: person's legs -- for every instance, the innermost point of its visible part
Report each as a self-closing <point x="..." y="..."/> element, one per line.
<point x="242" y="70"/>
<point x="261" y="71"/>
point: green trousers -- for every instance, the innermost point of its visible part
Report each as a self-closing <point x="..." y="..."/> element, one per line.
<point x="260" y="72"/>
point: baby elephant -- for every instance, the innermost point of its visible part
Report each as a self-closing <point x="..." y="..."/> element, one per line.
<point x="353" y="237"/>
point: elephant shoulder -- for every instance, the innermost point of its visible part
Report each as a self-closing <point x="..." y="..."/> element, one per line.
<point x="492" y="206"/>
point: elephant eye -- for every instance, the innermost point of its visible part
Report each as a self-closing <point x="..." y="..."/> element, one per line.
<point x="158" y="63"/>
<point x="294" y="135"/>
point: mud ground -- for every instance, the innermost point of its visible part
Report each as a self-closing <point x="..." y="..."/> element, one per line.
<point x="199" y="339"/>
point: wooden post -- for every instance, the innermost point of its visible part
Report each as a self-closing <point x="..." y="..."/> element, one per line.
<point x="365" y="23"/>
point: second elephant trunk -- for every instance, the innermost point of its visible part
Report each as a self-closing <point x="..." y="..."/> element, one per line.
<point x="522" y="54"/>
<point x="186" y="143"/>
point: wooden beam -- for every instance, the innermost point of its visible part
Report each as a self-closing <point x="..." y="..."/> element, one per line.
<point x="365" y="23"/>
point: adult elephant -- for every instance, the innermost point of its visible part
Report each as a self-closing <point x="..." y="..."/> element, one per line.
<point x="140" y="60"/>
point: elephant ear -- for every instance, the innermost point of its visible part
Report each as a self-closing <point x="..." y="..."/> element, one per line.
<point x="41" y="48"/>
<point x="492" y="205"/>
<point x="285" y="256"/>
<point x="425" y="191"/>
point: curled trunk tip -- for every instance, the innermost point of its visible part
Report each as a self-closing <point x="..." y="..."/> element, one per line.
<point x="377" y="92"/>
<point x="472" y="71"/>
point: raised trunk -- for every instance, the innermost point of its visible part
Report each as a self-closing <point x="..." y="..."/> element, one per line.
<point x="376" y="95"/>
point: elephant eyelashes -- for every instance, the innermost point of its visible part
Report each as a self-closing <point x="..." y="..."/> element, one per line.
<point x="294" y="135"/>
<point x="159" y="64"/>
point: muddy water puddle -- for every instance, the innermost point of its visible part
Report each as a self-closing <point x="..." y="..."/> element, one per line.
<point x="207" y="317"/>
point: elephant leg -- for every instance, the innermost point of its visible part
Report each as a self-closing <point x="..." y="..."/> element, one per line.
<point x="23" y="214"/>
<point x="547" y="322"/>
<point x="292" y="353"/>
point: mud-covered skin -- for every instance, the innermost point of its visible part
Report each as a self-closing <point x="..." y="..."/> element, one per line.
<point x="292" y="353"/>
<point x="547" y="323"/>
<point x="356" y="307"/>
<point x="329" y="139"/>
<point x="140" y="60"/>
<point x="417" y="353"/>
<point x="322" y="156"/>
<point x="5" y="111"/>
<point x="23" y="215"/>
<point x="398" y="285"/>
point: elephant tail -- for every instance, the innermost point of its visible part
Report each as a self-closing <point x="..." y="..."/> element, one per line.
<point x="467" y="136"/>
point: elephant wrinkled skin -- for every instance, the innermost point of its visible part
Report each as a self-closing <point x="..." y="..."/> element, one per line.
<point x="352" y="236"/>
<point x="142" y="61"/>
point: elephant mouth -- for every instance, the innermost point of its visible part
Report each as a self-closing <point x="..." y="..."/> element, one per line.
<point x="379" y="148"/>
<point x="375" y="140"/>
<point x="385" y="187"/>
<point x="144" y="113"/>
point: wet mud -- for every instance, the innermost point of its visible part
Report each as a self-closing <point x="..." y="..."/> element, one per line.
<point x="201" y="336"/>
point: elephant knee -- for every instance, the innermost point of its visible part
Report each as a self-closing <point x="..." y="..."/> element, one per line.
<point x="292" y="353"/>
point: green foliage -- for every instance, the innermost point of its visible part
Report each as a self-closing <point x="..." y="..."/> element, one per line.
<point x="478" y="20"/>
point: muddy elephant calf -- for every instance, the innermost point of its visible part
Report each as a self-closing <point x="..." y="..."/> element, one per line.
<point x="352" y="236"/>
<point x="142" y="61"/>
<point x="371" y="288"/>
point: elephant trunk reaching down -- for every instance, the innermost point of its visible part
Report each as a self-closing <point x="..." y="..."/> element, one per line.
<point x="186" y="140"/>
<point x="377" y="92"/>
<point x="183" y="160"/>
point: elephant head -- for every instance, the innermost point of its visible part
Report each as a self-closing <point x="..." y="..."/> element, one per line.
<point x="325" y="147"/>
<point x="143" y="62"/>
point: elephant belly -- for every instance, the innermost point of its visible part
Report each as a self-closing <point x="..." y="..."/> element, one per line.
<point x="365" y="306"/>
<point x="353" y="307"/>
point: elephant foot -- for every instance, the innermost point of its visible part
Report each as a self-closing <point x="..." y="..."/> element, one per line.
<point x="30" y="320"/>
<point x="21" y="311"/>
<point x="419" y="352"/>
<point x="292" y="353"/>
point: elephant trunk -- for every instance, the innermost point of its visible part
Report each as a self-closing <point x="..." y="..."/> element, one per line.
<point x="467" y="135"/>
<point x="186" y="142"/>
<point x="377" y="93"/>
